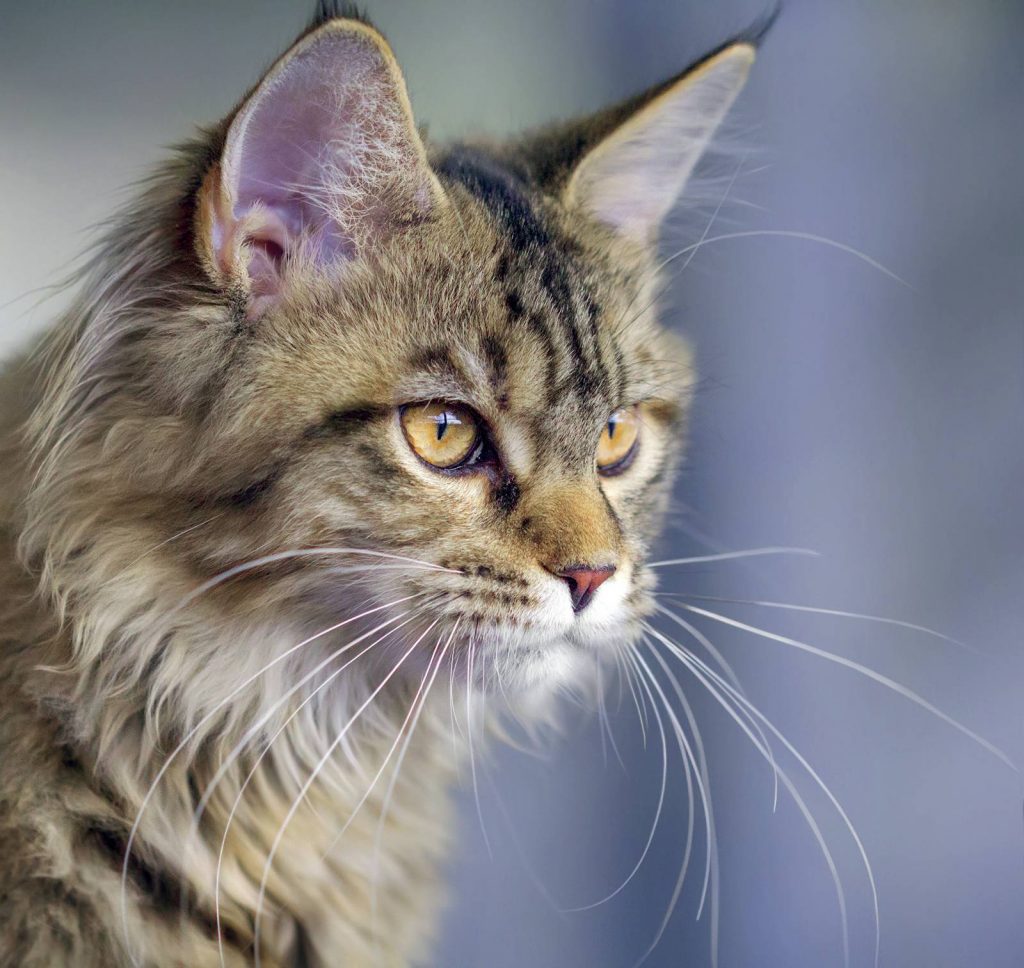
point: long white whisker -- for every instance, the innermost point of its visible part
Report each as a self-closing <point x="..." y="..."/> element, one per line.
<point x="175" y="537"/>
<point x="188" y="739"/>
<point x="651" y="831"/>
<point x="802" y="236"/>
<point x="279" y="836"/>
<point x="751" y="233"/>
<point x="405" y="732"/>
<point x="629" y="669"/>
<point x="236" y="570"/>
<point x="266" y="749"/>
<point x="863" y="670"/>
<point x="696" y="247"/>
<point x="702" y="762"/>
<point x="813" y="610"/>
<point x="606" y="723"/>
<point x="472" y="754"/>
<point x="744" y="703"/>
<point x="730" y="555"/>
<point x="691" y="663"/>
<point x="407" y="729"/>
<point x="687" y="755"/>
<point x="730" y="674"/>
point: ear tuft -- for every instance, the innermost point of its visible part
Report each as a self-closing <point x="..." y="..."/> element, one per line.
<point x="327" y="10"/>
<point x="631" y="179"/>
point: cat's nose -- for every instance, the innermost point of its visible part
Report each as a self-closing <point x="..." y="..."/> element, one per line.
<point x="583" y="581"/>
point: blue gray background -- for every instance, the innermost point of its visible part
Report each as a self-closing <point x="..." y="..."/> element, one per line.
<point x="876" y="422"/>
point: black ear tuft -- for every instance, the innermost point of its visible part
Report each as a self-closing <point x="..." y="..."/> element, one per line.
<point x="333" y="10"/>
<point x="755" y="33"/>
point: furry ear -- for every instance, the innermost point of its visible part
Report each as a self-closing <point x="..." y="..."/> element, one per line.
<point x="631" y="178"/>
<point x="322" y="159"/>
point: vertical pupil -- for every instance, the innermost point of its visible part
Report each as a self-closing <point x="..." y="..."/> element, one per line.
<point x="612" y="424"/>
<point x="442" y="425"/>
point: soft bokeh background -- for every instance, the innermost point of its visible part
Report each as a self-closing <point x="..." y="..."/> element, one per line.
<point x="878" y="423"/>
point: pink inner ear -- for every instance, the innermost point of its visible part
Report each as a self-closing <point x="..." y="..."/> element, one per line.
<point x="294" y="135"/>
<point x="312" y="160"/>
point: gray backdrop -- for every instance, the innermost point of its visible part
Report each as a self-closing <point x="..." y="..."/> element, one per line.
<point x="875" y="422"/>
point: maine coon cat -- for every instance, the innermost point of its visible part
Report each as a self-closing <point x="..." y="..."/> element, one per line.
<point x="343" y="431"/>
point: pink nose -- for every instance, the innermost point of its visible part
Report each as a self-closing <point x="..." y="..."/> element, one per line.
<point x="583" y="581"/>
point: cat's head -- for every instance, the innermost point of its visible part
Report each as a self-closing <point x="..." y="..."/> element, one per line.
<point x="319" y="333"/>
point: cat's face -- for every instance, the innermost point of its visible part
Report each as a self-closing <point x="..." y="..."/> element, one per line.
<point x="362" y="376"/>
<point x="508" y="417"/>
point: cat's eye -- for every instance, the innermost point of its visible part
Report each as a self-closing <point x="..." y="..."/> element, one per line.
<point x="445" y="435"/>
<point x="617" y="444"/>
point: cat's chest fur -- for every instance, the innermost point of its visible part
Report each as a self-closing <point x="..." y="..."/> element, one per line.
<point x="354" y="877"/>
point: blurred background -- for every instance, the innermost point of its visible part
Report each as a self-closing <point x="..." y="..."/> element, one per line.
<point x="876" y="422"/>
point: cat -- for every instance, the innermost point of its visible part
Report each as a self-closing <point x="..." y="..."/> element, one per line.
<point x="343" y="432"/>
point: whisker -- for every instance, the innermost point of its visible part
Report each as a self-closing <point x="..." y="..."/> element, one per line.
<point x="650" y="834"/>
<point x="801" y="236"/>
<point x="753" y="711"/>
<point x="712" y="874"/>
<point x="472" y="755"/>
<point x="405" y="732"/>
<point x="641" y="716"/>
<point x="730" y="674"/>
<point x="699" y="774"/>
<point x="175" y="537"/>
<point x="236" y="570"/>
<point x="714" y="215"/>
<point x="407" y="729"/>
<point x="730" y="555"/>
<point x="751" y="233"/>
<point x="266" y="749"/>
<point x="606" y="726"/>
<point x="813" y="610"/>
<point x="517" y="843"/>
<point x="189" y="736"/>
<point x="279" y="836"/>
<point x="694" y="666"/>
<point x="863" y="670"/>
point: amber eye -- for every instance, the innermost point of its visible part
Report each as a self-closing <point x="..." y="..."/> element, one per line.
<point x="618" y="441"/>
<point x="445" y="435"/>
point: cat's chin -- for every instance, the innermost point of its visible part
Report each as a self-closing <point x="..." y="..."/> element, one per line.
<point x="513" y="663"/>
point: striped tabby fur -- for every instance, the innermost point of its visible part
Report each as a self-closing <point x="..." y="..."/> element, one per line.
<point x="221" y="401"/>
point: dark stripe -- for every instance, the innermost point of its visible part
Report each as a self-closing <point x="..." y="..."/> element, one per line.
<point x="497" y="360"/>
<point x="348" y="421"/>
<point x="620" y="373"/>
<point x="433" y="358"/>
<point x="593" y="314"/>
<point x="514" y="305"/>
<point x="163" y="892"/>
<point x="555" y="281"/>
<point x="543" y="334"/>
<point x="501" y="189"/>
<point x="506" y="494"/>
<point x="247" y="496"/>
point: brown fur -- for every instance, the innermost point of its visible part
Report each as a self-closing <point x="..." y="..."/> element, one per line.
<point x="164" y="433"/>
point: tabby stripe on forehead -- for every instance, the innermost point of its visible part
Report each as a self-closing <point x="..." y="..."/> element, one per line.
<point x="497" y="361"/>
<point x="593" y="313"/>
<point x="502" y="191"/>
<point x="540" y="329"/>
<point x="555" y="281"/>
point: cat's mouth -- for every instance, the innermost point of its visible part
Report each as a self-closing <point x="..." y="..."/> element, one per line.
<point x="528" y="633"/>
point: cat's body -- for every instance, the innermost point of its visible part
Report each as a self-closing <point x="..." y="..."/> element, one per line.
<point x="204" y="469"/>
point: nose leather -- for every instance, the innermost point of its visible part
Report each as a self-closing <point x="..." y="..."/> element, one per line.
<point x="584" y="581"/>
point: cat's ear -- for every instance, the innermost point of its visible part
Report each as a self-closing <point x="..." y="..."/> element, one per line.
<point x="321" y="160"/>
<point x="631" y="176"/>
